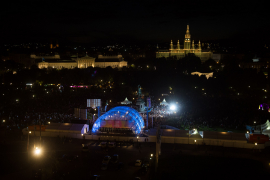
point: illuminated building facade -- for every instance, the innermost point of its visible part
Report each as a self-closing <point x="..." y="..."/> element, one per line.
<point x="112" y="61"/>
<point x="57" y="65"/>
<point x="207" y="75"/>
<point x="189" y="47"/>
<point x="83" y="62"/>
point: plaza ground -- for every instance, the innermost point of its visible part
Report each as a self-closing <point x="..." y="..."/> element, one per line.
<point x="177" y="161"/>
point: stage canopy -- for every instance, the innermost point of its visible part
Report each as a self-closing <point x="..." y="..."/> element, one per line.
<point x="121" y="113"/>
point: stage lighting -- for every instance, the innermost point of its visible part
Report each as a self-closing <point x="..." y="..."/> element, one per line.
<point x="172" y="107"/>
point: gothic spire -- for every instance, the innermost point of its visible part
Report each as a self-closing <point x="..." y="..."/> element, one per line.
<point x="171" y="44"/>
<point x="178" y="45"/>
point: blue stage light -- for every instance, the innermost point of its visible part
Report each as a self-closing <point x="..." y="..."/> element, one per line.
<point x="119" y="112"/>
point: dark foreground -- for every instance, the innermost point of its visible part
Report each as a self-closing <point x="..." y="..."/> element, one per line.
<point x="176" y="161"/>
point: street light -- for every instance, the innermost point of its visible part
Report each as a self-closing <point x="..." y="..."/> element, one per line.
<point x="37" y="151"/>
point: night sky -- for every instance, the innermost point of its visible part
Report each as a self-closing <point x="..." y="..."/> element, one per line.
<point x="147" y="21"/>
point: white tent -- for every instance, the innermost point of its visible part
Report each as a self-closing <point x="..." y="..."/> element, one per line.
<point x="126" y="101"/>
<point x="164" y="102"/>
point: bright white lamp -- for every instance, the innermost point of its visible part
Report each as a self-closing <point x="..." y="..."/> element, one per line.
<point x="172" y="107"/>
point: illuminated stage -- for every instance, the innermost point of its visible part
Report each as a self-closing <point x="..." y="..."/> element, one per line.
<point x="119" y="119"/>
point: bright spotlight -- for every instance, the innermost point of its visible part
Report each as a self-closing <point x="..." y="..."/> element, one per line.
<point x="37" y="151"/>
<point x="172" y="107"/>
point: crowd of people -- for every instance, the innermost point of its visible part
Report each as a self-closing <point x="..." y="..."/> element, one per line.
<point x="192" y="114"/>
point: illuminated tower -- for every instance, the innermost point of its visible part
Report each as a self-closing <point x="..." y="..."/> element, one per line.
<point x="199" y="46"/>
<point x="178" y="45"/>
<point x="193" y="48"/>
<point x="140" y="101"/>
<point x="171" y="45"/>
<point x="187" y="39"/>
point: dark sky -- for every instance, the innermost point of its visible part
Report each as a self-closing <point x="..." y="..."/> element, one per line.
<point x="114" y="21"/>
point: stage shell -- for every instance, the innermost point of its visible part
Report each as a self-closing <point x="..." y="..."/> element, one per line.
<point x="122" y="113"/>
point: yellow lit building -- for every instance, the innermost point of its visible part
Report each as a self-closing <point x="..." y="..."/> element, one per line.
<point x="189" y="47"/>
<point x="57" y="65"/>
<point x="112" y="61"/>
<point x="85" y="62"/>
<point x="207" y="75"/>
